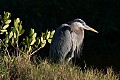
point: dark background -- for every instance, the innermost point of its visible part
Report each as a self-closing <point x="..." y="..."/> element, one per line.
<point x="100" y="50"/>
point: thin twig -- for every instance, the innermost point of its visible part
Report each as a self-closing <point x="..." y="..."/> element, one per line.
<point x="6" y="49"/>
<point x="35" y="51"/>
<point x="17" y="48"/>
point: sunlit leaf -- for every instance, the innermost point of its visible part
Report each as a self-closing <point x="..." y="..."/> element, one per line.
<point x="43" y="34"/>
<point x="18" y="20"/>
<point x="6" y="59"/>
<point x="7" y="15"/>
<point x="3" y="31"/>
<point x="6" y="26"/>
<point x="7" y="38"/>
<point x="14" y="35"/>
<point x="42" y="40"/>
<point x="12" y="41"/>
<point x="48" y="35"/>
<point x="10" y="35"/>
<point x="49" y="40"/>
<point x="16" y="23"/>
<point x="34" y="35"/>
<point x="8" y="21"/>
<point x="20" y="27"/>
<point x="52" y="33"/>
<point x="33" y="41"/>
<point x="6" y="41"/>
<point x="30" y="48"/>
<point x="43" y="44"/>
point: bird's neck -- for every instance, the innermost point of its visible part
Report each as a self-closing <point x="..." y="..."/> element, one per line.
<point x="77" y="29"/>
<point x="79" y="32"/>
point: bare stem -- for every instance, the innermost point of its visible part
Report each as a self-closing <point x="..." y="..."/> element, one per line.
<point x="6" y="49"/>
<point x="35" y="51"/>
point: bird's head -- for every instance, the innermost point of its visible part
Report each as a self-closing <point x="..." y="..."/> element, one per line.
<point x="80" y="23"/>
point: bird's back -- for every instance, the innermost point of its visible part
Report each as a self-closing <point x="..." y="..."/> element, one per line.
<point x="61" y="43"/>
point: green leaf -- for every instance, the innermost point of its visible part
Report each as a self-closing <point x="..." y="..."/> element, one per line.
<point x="22" y="31"/>
<point x="12" y="41"/>
<point x="16" y="40"/>
<point x="25" y="48"/>
<point x="6" y="15"/>
<point x="8" y="21"/>
<point x="47" y="31"/>
<point x="43" y="44"/>
<point x="18" y="20"/>
<point x="20" y="27"/>
<point x="7" y="38"/>
<point x="6" y="26"/>
<point x="15" y="36"/>
<point x="49" y="40"/>
<point x="10" y="35"/>
<point x="16" y="23"/>
<point x="33" y="41"/>
<point x="6" y="59"/>
<point x="34" y="35"/>
<point x="38" y="40"/>
<point x="27" y="41"/>
<point x="30" y="48"/>
<point x="42" y="40"/>
<point x="6" y="33"/>
<point x="48" y="35"/>
<point x="31" y="32"/>
<point x="52" y="33"/>
<point x="43" y="34"/>
<point x="3" y="31"/>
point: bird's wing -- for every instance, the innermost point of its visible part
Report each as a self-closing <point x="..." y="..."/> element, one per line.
<point x="61" y="43"/>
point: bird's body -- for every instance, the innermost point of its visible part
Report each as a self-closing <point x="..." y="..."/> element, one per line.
<point x="67" y="41"/>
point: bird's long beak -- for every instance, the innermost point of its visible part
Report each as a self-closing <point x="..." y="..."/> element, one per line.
<point x="91" y="29"/>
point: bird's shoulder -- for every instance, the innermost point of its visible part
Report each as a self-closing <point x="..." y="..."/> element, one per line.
<point x="62" y="33"/>
<point x="65" y="27"/>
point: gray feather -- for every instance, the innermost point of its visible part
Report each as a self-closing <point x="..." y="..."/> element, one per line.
<point x="61" y="43"/>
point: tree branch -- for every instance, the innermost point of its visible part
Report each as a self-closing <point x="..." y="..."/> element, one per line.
<point x="35" y="51"/>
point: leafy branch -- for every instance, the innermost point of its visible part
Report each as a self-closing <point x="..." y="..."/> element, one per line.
<point x="30" y="44"/>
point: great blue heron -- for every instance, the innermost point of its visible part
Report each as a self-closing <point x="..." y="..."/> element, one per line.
<point x="67" y="40"/>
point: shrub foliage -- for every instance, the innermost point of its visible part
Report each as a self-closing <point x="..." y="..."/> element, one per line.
<point x="29" y="45"/>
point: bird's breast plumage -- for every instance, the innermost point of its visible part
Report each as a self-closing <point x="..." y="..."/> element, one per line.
<point x="79" y="32"/>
